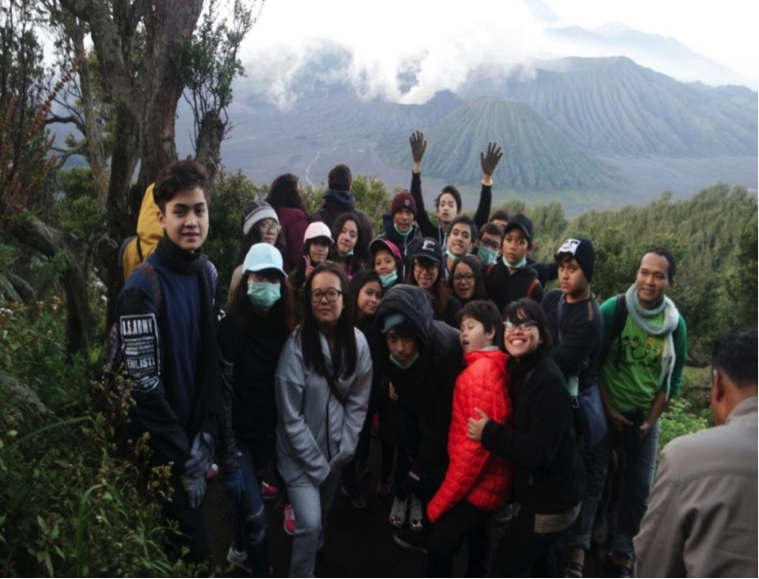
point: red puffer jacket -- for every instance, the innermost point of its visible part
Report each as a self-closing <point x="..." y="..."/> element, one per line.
<point x="474" y="475"/>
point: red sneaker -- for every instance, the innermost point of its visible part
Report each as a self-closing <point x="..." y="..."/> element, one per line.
<point x="269" y="492"/>
<point x="289" y="520"/>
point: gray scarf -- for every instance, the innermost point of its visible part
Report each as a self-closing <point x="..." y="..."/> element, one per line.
<point x="643" y="318"/>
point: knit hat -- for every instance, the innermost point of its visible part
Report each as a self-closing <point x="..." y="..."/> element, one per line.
<point x="522" y="222"/>
<point x="581" y="248"/>
<point x="263" y="256"/>
<point x="254" y="212"/>
<point x="403" y="200"/>
<point x="379" y="243"/>
<point x="428" y="248"/>
<point x="317" y="229"/>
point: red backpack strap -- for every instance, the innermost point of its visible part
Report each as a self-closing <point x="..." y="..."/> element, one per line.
<point x="489" y="270"/>
<point x="535" y="283"/>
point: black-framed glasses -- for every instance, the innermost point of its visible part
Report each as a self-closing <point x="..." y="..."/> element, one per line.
<point x="467" y="277"/>
<point x="490" y="244"/>
<point x="525" y="326"/>
<point x="270" y="226"/>
<point x="331" y="294"/>
<point x="430" y="267"/>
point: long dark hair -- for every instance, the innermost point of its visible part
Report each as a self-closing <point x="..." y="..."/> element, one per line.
<point x="479" y="281"/>
<point x="437" y="291"/>
<point x="359" y="251"/>
<point x="345" y="353"/>
<point x="253" y="237"/>
<point x="281" y="318"/>
<point x="284" y="192"/>
<point x="360" y="279"/>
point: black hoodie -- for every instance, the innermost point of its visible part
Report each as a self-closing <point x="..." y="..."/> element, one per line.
<point x="425" y="390"/>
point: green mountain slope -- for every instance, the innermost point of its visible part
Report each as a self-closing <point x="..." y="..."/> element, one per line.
<point x="536" y="156"/>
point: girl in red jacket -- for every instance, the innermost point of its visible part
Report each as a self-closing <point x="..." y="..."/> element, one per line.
<point x="476" y="483"/>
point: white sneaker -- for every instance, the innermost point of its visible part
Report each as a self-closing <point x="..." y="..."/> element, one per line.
<point x="398" y="513"/>
<point x="238" y="559"/>
<point x="415" y="514"/>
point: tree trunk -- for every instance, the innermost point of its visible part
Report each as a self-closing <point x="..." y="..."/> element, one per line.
<point x="208" y="143"/>
<point x="48" y="241"/>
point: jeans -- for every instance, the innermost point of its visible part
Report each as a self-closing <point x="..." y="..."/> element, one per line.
<point x="311" y="505"/>
<point x="521" y="548"/>
<point x="250" y="514"/>
<point x="640" y="467"/>
<point x="464" y="522"/>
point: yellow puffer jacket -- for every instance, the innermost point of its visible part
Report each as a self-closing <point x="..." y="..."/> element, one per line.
<point x="149" y="232"/>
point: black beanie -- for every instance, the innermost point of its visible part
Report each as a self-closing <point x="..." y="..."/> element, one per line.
<point x="581" y="248"/>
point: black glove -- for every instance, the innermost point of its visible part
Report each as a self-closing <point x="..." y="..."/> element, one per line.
<point x="418" y="146"/>
<point x="490" y="161"/>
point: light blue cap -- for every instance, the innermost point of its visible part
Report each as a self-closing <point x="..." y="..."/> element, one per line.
<point x="263" y="256"/>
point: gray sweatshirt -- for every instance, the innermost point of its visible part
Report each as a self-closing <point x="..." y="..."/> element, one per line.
<point x="315" y="434"/>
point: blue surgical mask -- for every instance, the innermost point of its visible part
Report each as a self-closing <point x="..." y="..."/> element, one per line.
<point x="389" y="279"/>
<point x="454" y="258"/>
<point x="408" y="364"/>
<point x="519" y="265"/>
<point x="404" y="235"/>
<point x="487" y="255"/>
<point x="263" y="295"/>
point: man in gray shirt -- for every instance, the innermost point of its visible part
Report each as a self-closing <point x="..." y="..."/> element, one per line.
<point x="701" y="519"/>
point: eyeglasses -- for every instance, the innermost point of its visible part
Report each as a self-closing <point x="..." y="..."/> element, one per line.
<point x="467" y="277"/>
<point x="490" y="244"/>
<point x="331" y="294"/>
<point x="270" y="227"/>
<point x="430" y="267"/>
<point x="525" y="326"/>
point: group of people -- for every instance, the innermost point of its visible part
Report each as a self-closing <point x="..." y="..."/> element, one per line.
<point x="445" y="339"/>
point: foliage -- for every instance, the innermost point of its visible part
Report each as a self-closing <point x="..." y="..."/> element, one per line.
<point x="681" y="419"/>
<point x="74" y="504"/>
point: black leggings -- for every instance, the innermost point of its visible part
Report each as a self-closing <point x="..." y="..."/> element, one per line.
<point x="521" y="548"/>
<point x="464" y="522"/>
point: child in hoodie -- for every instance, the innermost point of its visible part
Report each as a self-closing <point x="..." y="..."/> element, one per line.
<point x="476" y="482"/>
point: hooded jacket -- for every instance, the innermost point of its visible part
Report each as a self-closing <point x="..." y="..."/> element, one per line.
<point x="404" y="244"/>
<point x="335" y="204"/>
<point x="315" y="433"/>
<point x="294" y="222"/>
<point x="474" y="474"/>
<point x="425" y="390"/>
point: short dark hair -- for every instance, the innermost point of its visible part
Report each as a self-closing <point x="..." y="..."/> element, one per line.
<point x="500" y="214"/>
<point x="340" y="178"/>
<point x="178" y="177"/>
<point x="451" y="190"/>
<point x="468" y="221"/>
<point x="485" y="312"/>
<point x="525" y="310"/>
<point x="345" y="354"/>
<point x="491" y="229"/>
<point x="735" y="354"/>
<point x="666" y="254"/>
<point x="284" y="192"/>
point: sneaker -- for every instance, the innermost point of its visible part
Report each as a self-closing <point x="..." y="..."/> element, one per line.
<point x="357" y="498"/>
<point x="416" y="514"/>
<point x="238" y="559"/>
<point x="385" y="487"/>
<point x="269" y="492"/>
<point x="409" y="539"/>
<point x="504" y="515"/>
<point x="398" y="513"/>
<point x="289" y="520"/>
<point x="212" y="472"/>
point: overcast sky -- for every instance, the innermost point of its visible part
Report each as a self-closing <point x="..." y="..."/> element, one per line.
<point x="449" y="39"/>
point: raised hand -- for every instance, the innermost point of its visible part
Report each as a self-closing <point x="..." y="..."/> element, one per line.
<point x="490" y="161"/>
<point x="309" y="267"/>
<point x="418" y="146"/>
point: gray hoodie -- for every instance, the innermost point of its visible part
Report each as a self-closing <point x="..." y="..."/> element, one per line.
<point x="315" y="434"/>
